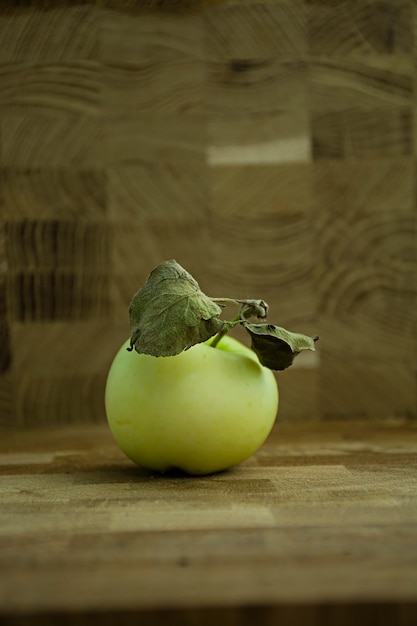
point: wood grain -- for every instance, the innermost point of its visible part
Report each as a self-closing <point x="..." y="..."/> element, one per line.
<point x="56" y="244"/>
<point x="36" y="140"/>
<point x="262" y="87"/>
<point x="52" y="193"/>
<point x="72" y="88"/>
<point x="389" y="386"/>
<point x="358" y="29"/>
<point x="151" y="35"/>
<point x="248" y="31"/>
<point x="321" y="521"/>
<point x="337" y="84"/>
<point x="46" y="394"/>
<point x="268" y="146"/>
<point x="48" y="31"/>
<point x="153" y="61"/>
<point x="50" y="295"/>
<point x="164" y="139"/>
<point x="175" y="189"/>
<point x="8" y="413"/>
<point x="240" y="226"/>
<point x="386" y="132"/>
<point x="367" y="277"/>
<point x="5" y="343"/>
<point x="259" y="139"/>
<point x="353" y="187"/>
<point x="57" y="269"/>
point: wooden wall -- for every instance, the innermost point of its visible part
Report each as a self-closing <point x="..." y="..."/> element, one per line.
<point x="268" y="146"/>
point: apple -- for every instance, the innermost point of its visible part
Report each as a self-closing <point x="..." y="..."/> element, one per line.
<point x="201" y="411"/>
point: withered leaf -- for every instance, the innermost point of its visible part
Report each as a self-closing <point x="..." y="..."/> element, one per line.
<point x="277" y="347"/>
<point x="170" y="313"/>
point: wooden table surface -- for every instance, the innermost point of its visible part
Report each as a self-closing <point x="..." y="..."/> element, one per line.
<point x="319" y="526"/>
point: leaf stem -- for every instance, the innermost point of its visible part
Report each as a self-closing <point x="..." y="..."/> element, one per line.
<point x="248" y="307"/>
<point x="232" y="300"/>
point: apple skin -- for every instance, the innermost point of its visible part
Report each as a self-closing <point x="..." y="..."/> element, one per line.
<point x="201" y="411"/>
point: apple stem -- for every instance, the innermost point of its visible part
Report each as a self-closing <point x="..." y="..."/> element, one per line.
<point x="223" y="332"/>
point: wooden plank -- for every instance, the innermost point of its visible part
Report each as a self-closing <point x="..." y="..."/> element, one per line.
<point x="322" y="515"/>
<point x="306" y="615"/>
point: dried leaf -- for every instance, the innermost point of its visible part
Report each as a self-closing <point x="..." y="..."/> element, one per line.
<point x="170" y="313"/>
<point x="277" y="347"/>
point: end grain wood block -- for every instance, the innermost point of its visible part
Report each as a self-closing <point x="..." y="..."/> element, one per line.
<point x="261" y="139"/>
<point x="7" y="400"/>
<point x="362" y="133"/>
<point x="48" y="32"/>
<point x="258" y="112"/>
<point x="150" y="139"/>
<point x="81" y="347"/>
<point x="153" y="61"/>
<point x="58" y="295"/>
<point x="248" y="31"/>
<point x="5" y="343"/>
<point x="344" y="29"/>
<point x="145" y="33"/>
<point x="52" y="193"/>
<point x="172" y="88"/>
<point x="57" y="244"/>
<point x="356" y="186"/>
<point x="57" y="269"/>
<point x="58" y="372"/>
<point x="299" y="390"/>
<point x="59" y="399"/>
<point x="257" y="87"/>
<point x="338" y="84"/>
<point x="354" y="386"/>
<point x="53" y="88"/>
<point x="37" y="140"/>
<point x="172" y="190"/>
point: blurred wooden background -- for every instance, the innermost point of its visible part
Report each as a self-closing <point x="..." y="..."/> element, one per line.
<point x="269" y="147"/>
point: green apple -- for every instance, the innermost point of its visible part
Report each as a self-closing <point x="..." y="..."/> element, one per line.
<point x="201" y="411"/>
